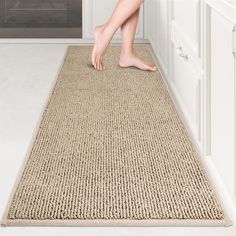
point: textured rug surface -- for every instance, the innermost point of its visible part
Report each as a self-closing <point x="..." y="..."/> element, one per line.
<point x="111" y="146"/>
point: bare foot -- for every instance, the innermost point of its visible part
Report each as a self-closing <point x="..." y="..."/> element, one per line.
<point x="130" y="59"/>
<point x="102" y="38"/>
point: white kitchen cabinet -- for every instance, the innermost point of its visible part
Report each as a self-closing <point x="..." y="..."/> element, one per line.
<point x="96" y="12"/>
<point x="186" y="56"/>
<point x="221" y="96"/>
<point x="194" y="41"/>
<point x="187" y="86"/>
<point x="174" y="29"/>
<point x="187" y="23"/>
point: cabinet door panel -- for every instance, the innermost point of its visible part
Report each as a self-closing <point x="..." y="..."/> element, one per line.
<point x="222" y="98"/>
<point x="187" y="18"/>
<point x="187" y="83"/>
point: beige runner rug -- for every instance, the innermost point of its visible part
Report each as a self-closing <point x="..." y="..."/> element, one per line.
<point x="111" y="150"/>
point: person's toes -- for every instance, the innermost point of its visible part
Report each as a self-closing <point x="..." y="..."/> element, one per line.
<point x="99" y="64"/>
<point x="96" y="65"/>
<point x="102" y="64"/>
<point x="92" y="60"/>
<point x="103" y="67"/>
<point x="151" y="67"/>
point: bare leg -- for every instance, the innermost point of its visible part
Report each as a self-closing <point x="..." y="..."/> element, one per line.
<point x="128" y="57"/>
<point x="104" y="33"/>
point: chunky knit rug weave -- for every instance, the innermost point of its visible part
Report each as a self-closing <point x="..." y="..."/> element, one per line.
<point x="111" y="150"/>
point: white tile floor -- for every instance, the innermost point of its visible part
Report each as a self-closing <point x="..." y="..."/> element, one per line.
<point x="27" y="72"/>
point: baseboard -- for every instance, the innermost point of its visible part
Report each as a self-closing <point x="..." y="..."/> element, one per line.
<point x="58" y="41"/>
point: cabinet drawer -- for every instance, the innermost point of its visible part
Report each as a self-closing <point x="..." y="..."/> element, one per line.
<point x="187" y="83"/>
<point x="187" y="21"/>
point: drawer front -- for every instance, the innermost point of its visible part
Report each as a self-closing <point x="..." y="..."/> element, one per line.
<point x="187" y="82"/>
<point x="187" y="23"/>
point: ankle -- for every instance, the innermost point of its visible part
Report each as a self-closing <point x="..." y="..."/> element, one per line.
<point x="108" y="30"/>
<point x="126" y="52"/>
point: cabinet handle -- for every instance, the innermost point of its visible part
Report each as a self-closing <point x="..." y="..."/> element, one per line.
<point x="179" y="52"/>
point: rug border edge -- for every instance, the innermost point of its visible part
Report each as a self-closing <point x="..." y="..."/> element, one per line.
<point x="118" y="223"/>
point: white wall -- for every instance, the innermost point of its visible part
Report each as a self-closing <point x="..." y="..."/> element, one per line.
<point x="157" y="31"/>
